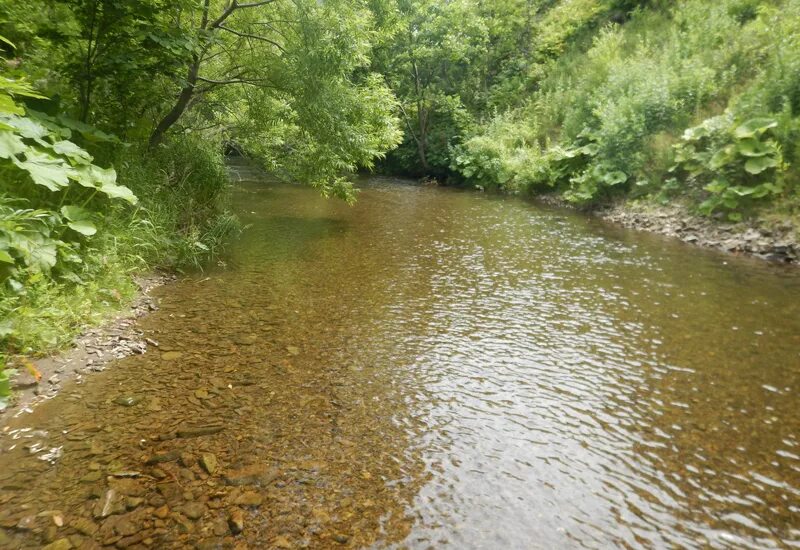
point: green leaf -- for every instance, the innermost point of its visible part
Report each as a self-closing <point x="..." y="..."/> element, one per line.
<point x="46" y="170"/>
<point x="6" y="257"/>
<point x="8" y="105"/>
<point x="751" y="147"/>
<point x="757" y="165"/>
<point x="615" y="178"/>
<point x="84" y="227"/>
<point x="10" y="144"/>
<point x="721" y="158"/>
<point x="26" y="127"/>
<point x="754" y="127"/>
<point x="74" y="152"/>
<point x="75" y="213"/>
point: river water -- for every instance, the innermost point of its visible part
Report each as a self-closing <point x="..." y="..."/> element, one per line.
<point x="431" y="368"/>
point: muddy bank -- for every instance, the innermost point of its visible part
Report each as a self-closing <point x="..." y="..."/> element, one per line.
<point x="91" y="352"/>
<point x="776" y="241"/>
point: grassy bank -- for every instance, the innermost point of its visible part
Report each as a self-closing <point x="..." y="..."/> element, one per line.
<point x="63" y="278"/>
<point x="698" y="99"/>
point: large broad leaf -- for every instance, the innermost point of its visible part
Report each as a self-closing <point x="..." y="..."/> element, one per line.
<point x="10" y="144"/>
<point x="26" y="127"/>
<point x="751" y="147"/>
<point x="760" y="164"/>
<point x="8" y="105"/>
<point x="615" y="178"/>
<point x="84" y="227"/>
<point x="721" y="157"/>
<point x="72" y="151"/>
<point x="119" y="192"/>
<point x="754" y="127"/>
<point x="79" y="219"/>
<point x="46" y="170"/>
<point x="6" y="257"/>
<point x="75" y="213"/>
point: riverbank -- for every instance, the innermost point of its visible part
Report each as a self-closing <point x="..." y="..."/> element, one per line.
<point x="92" y="351"/>
<point x="769" y="239"/>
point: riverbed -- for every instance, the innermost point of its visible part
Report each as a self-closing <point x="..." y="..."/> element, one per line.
<point x="431" y="368"/>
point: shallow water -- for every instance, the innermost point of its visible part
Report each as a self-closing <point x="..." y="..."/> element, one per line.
<point x="433" y="368"/>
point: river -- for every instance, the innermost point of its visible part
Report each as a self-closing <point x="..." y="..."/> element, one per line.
<point x="431" y="368"/>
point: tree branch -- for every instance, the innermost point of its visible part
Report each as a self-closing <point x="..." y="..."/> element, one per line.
<point x="253" y="36"/>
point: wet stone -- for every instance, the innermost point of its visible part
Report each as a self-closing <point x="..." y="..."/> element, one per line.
<point x="209" y="462"/>
<point x="60" y="544"/>
<point x="250" y="498"/>
<point x="84" y="526"/>
<point x="193" y="510"/>
<point x="236" y="521"/>
<point x="256" y="474"/>
<point x="128" y="400"/>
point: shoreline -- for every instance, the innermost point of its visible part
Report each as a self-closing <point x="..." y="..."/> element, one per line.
<point x="91" y="351"/>
<point x="773" y="241"/>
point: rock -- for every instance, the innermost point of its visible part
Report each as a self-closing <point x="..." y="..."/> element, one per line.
<point x="171" y="355"/>
<point x="250" y="498"/>
<point x="91" y="477"/>
<point x="236" y="521"/>
<point x="188" y="460"/>
<point x="84" y="526"/>
<point x="193" y="510"/>
<point x="292" y="350"/>
<point x="341" y="539"/>
<point x="126" y="527"/>
<point x="201" y="394"/>
<point x="200" y="431"/>
<point x="127" y="400"/>
<point x="111" y="504"/>
<point x="163" y="457"/>
<point x="26" y="523"/>
<point x="161" y="512"/>
<point x="128" y="487"/>
<point x="256" y="474"/>
<point x="281" y="542"/>
<point x="60" y="544"/>
<point x="209" y="463"/>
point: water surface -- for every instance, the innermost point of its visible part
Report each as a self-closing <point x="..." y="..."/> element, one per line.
<point x="435" y="368"/>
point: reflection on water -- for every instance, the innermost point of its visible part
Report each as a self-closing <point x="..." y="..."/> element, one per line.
<point x="435" y="368"/>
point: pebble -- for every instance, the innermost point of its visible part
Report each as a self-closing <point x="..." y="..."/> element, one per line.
<point x="236" y="521"/>
<point x="209" y="462"/>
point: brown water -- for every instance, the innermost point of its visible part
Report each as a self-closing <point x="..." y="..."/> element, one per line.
<point x="433" y="368"/>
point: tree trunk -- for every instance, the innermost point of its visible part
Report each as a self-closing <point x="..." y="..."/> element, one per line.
<point x="180" y="106"/>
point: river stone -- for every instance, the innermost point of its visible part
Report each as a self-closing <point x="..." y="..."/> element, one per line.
<point x="188" y="460"/>
<point x="127" y="400"/>
<point x="193" y="510"/>
<point x="293" y="350"/>
<point x="84" y="526"/>
<point x="128" y="487"/>
<point x="250" y="498"/>
<point x="236" y="521"/>
<point x="171" y="355"/>
<point x="256" y="474"/>
<point x="60" y="544"/>
<point x="209" y="462"/>
<point x="111" y="504"/>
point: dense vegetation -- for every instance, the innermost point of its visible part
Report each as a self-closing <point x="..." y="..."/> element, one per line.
<point x="599" y="98"/>
<point x="114" y="115"/>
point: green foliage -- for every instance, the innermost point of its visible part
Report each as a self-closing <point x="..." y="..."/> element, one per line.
<point x="610" y="101"/>
<point x="735" y="163"/>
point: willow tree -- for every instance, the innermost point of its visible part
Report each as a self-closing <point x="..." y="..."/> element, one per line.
<point x="305" y="56"/>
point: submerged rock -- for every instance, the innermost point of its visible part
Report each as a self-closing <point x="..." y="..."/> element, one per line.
<point x="257" y="474"/>
<point x="209" y="462"/>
